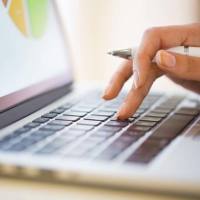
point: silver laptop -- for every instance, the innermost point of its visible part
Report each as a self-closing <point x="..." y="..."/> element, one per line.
<point x="52" y="130"/>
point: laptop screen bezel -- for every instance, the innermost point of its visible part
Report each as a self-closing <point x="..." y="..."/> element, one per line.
<point x="11" y="100"/>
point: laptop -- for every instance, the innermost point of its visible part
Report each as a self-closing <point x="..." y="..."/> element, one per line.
<point x="52" y="130"/>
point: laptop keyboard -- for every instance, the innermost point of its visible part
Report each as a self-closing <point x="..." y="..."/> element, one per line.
<point x="87" y="129"/>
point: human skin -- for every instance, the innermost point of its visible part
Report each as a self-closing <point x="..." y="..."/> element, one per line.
<point x="182" y="69"/>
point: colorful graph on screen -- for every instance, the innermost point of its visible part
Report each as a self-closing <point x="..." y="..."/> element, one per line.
<point x="29" y="16"/>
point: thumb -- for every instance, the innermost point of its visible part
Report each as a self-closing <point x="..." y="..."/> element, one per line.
<point x="178" y="65"/>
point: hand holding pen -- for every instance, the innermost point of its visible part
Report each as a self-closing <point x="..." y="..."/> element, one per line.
<point x="151" y="61"/>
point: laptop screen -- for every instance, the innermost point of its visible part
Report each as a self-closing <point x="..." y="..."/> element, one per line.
<point x="33" y="53"/>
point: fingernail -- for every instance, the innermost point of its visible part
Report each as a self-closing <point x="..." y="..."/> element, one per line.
<point x="121" y="111"/>
<point x="166" y="59"/>
<point x="106" y="92"/>
<point x="135" y="78"/>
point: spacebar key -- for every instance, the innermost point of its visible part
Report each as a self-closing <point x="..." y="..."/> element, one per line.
<point x="172" y="127"/>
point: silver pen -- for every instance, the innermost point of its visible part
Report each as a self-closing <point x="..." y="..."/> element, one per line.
<point x="130" y="52"/>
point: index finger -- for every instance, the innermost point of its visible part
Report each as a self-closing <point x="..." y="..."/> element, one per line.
<point x="137" y="95"/>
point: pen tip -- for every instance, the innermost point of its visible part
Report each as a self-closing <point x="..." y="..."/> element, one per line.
<point x="110" y="53"/>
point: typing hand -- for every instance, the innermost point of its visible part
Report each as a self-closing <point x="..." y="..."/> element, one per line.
<point x="184" y="70"/>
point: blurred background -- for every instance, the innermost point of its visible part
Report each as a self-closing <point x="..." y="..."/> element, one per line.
<point x="96" y="26"/>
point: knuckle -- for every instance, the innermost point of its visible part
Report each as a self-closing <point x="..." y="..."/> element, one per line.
<point x="141" y="92"/>
<point x="188" y="65"/>
<point x="120" y="75"/>
<point x="140" y="55"/>
<point x="152" y="32"/>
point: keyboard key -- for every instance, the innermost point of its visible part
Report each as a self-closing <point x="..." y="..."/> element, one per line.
<point x="22" y="130"/>
<point x="59" y="142"/>
<point x="195" y="131"/>
<point x="52" y="127"/>
<point x="82" y="109"/>
<point x="59" y="110"/>
<point x="108" y="154"/>
<point x="139" y="128"/>
<point x="154" y="114"/>
<point x="75" y="113"/>
<point x="107" y="109"/>
<point x="89" y="122"/>
<point x="187" y="111"/>
<point x="160" y="109"/>
<point x="27" y="141"/>
<point x="46" y="150"/>
<point x="134" y="133"/>
<point x="110" y="129"/>
<point x="50" y="115"/>
<point x="17" y="147"/>
<point x="97" y="118"/>
<point x="93" y="139"/>
<point x="147" y="151"/>
<point x="145" y="123"/>
<point x="131" y="119"/>
<point x="37" y="137"/>
<point x="83" y="127"/>
<point x="140" y="159"/>
<point x="140" y="110"/>
<point x="160" y="144"/>
<point x="171" y="103"/>
<point x="173" y="126"/>
<point x="60" y="122"/>
<point x="22" y="144"/>
<point x="42" y="134"/>
<point x="151" y="119"/>
<point x="79" y="151"/>
<point x="117" y="123"/>
<point x="55" y="145"/>
<point x="73" y="133"/>
<point x="135" y="115"/>
<point x="102" y="113"/>
<point x="68" y="118"/>
<point x="66" y="106"/>
<point x="117" y="147"/>
<point x="41" y="120"/>
<point x="12" y="136"/>
<point x="104" y="134"/>
<point x="32" y="125"/>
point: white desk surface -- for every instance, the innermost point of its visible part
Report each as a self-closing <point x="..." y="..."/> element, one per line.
<point x="12" y="189"/>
